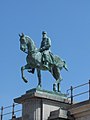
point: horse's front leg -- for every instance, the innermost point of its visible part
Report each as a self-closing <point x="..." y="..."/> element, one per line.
<point x="39" y="78"/>
<point x="32" y="70"/>
<point x="22" y="72"/>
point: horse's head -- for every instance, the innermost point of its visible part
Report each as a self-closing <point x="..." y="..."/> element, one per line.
<point x="26" y="43"/>
<point x="23" y="43"/>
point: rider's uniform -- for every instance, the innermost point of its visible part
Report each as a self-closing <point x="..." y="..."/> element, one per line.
<point x="45" y="50"/>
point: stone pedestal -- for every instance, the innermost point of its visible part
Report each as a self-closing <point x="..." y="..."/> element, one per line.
<point x="39" y="104"/>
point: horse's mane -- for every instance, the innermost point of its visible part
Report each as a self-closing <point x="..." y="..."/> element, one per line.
<point x="31" y="42"/>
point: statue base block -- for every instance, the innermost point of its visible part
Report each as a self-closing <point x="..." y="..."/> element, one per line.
<point x="40" y="104"/>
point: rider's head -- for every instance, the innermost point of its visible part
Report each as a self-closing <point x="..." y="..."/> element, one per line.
<point x="44" y="34"/>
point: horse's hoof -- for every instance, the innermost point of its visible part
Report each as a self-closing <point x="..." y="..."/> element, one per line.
<point x="39" y="86"/>
<point x="25" y="80"/>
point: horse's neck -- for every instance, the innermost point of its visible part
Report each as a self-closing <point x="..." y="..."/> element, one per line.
<point x="31" y="47"/>
<point x="32" y="52"/>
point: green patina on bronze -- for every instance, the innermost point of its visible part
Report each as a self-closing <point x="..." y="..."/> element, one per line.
<point x="41" y="59"/>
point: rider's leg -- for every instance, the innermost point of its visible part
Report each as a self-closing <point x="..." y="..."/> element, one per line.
<point x="45" y="61"/>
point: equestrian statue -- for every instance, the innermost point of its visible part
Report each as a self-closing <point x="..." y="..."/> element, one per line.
<point x="41" y="58"/>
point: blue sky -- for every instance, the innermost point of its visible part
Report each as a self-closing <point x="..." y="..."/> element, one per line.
<point x="67" y="23"/>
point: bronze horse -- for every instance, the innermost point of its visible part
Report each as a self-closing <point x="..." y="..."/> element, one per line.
<point x="34" y="60"/>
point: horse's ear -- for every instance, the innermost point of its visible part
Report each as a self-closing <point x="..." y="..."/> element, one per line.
<point x="22" y="35"/>
<point x="19" y="35"/>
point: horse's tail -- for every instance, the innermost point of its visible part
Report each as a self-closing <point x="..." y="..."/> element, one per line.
<point x="60" y="63"/>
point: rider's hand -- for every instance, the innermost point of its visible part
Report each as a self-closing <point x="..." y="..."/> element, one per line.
<point x="40" y="49"/>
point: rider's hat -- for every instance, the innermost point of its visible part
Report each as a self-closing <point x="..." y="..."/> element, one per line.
<point x="44" y="32"/>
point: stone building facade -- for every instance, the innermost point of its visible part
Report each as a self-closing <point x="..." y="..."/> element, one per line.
<point x="46" y="105"/>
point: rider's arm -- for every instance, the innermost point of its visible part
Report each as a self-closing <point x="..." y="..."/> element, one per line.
<point x="47" y="45"/>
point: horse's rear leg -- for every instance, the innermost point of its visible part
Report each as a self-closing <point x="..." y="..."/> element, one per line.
<point x="58" y="83"/>
<point x="56" y="74"/>
<point x="58" y="87"/>
<point x="39" y="78"/>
